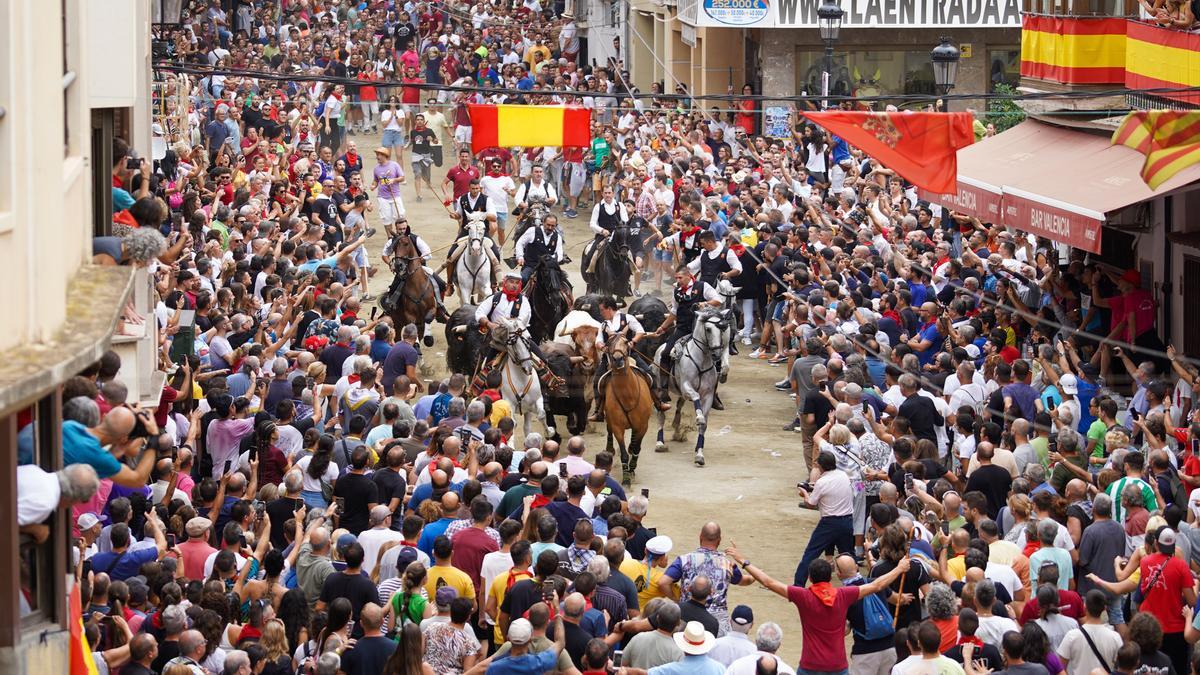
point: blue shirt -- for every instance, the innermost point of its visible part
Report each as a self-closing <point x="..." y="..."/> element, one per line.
<point x="432" y="531"/>
<point x="690" y="664"/>
<point x="425" y="491"/>
<point x="379" y="350"/>
<point x="312" y="265"/>
<point x="439" y="409"/>
<point x="930" y="333"/>
<point x="128" y="565"/>
<point x="525" y="664"/>
<point x="81" y="447"/>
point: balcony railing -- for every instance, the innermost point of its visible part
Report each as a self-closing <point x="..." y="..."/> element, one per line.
<point x="1074" y="8"/>
<point x="1083" y="50"/>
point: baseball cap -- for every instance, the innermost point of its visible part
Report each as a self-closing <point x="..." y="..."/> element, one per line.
<point x="1166" y="537"/>
<point x="1068" y="384"/>
<point x="87" y="521"/>
<point x="344" y="542"/>
<point x="444" y="596"/>
<point x="196" y="527"/>
<point x="519" y="631"/>
<point x="742" y="615"/>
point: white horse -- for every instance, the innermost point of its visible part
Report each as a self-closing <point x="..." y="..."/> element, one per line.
<point x="474" y="267"/>
<point x="728" y="293"/>
<point x="696" y="370"/>
<point x="519" y="384"/>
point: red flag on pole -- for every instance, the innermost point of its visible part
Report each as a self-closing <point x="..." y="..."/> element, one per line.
<point x="921" y="146"/>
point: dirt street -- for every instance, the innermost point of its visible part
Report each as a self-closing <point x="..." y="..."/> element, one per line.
<point x="748" y="484"/>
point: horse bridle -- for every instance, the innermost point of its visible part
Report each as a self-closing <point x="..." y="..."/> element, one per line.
<point x="714" y="353"/>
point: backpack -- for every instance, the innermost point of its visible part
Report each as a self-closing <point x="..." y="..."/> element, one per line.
<point x="877" y="620"/>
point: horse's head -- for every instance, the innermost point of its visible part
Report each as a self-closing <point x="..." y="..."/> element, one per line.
<point x="710" y="328"/>
<point x="727" y="291"/>
<point x="404" y="254"/>
<point x="549" y="274"/>
<point x="476" y="233"/>
<point x="618" y="352"/>
<point x="620" y="239"/>
<point x="508" y="335"/>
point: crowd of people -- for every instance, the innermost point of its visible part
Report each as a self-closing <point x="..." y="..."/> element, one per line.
<point x="1002" y="453"/>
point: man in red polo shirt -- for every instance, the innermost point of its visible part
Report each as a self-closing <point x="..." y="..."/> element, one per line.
<point x="461" y="174"/>
<point x="822" y="608"/>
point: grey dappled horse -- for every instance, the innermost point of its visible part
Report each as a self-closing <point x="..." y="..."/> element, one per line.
<point x="520" y="385"/>
<point x="697" y="367"/>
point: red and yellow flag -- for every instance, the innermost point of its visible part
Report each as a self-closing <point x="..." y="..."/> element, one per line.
<point x="921" y="146"/>
<point x="529" y="126"/>
<point x="82" y="662"/>
<point x="1170" y="140"/>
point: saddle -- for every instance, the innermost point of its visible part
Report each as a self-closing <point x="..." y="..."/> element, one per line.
<point x="635" y="368"/>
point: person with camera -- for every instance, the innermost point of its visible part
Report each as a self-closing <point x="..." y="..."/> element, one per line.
<point x="121" y="562"/>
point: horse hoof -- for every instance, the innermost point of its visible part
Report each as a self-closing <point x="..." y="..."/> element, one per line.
<point x="661" y="447"/>
<point x="699" y="459"/>
<point x="428" y="340"/>
<point x="722" y="379"/>
<point x="699" y="418"/>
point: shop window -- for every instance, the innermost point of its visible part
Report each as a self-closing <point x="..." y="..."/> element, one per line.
<point x="867" y="73"/>
<point x="1004" y="67"/>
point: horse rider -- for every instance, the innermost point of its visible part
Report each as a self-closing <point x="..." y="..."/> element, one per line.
<point x="507" y="303"/>
<point x="607" y="216"/>
<point x="403" y="230"/>
<point x="716" y="262"/>
<point x="535" y="189"/>
<point x="473" y="205"/>
<point x="686" y="239"/>
<point x="689" y="294"/>
<point x="616" y="323"/>
<point x="537" y="242"/>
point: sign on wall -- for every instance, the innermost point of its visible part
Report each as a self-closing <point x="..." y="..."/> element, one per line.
<point x="862" y="13"/>
<point x="777" y="122"/>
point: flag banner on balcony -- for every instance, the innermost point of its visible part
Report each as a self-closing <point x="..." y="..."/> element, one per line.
<point x="1162" y="58"/>
<point x="1170" y="140"/>
<point x="82" y="662"/>
<point x="921" y="146"/>
<point x="1073" y="50"/>
<point x="529" y="126"/>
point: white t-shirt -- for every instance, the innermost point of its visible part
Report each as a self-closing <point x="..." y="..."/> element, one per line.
<point x="496" y="188"/>
<point x="392" y="121"/>
<point x="1081" y="659"/>
<point x="313" y="484"/>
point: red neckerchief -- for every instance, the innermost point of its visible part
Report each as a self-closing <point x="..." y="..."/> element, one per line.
<point x="352" y="379"/>
<point x="514" y="576"/>
<point x="539" y="501"/>
<point x="495" y="173"/>
<point x="685" y="289"/>
<point x="352" y="159"/>
<point x="737" y="249"/>
<point x="825" y="592"/>
<point x="970" y="640"/>
<point x="688" y="233"/>
<point x="512" y="295"/>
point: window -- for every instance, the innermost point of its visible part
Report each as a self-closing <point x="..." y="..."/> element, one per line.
<point x="1004" y="67"/>
<point x="38" y="561"/>
<point x="867" y="73"/>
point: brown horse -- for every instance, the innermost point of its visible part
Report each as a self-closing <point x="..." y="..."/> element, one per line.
<point x="628" y="404"/>
<point x="412" y="297"/>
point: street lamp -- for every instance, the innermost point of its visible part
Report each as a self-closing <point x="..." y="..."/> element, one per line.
<point x="829" y="21"/>
<point x="945" y="66"/>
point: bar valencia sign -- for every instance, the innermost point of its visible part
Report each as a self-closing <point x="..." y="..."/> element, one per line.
<point x="862" y="13"/>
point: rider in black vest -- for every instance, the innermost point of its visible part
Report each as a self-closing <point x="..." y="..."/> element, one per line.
<point x="537" y="242"/>
<point x="474" y="201"/>
<point x="689" y="294"/>
<point x="626" y="324"/>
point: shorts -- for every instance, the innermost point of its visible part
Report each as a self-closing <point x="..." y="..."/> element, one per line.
<point x="410" y="110"/>
<point x="393" y="138"/>
<point x="664" y="255"/>
<point x="462" y="134"/>
<point x="422" y="165"/>
<point x="390" y="210"/>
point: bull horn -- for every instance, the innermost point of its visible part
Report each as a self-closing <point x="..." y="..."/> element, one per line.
<point x="460" y="329"/>
<point x="639" y="317"/>
<point x="575" y="360"/>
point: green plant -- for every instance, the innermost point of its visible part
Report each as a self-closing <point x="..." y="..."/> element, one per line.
<point x="1003" y="112"/>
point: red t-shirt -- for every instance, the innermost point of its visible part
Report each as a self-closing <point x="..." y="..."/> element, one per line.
<point x="470" y="546"/>
<point x="1138" y="302"/>
<point x="1069" y="604"/>
<point x="1010" y="354"/>
<point x="823" y="627"/>
<point x="411" y="95"/>
<point x="1165" y="599"/>
<point x="462" y="178"/>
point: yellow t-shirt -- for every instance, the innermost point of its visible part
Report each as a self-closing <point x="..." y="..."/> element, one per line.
<point x="444" y="575"/>
<point x="957" y="567"/>
<point x="647" y="588"/>
<point x="498" y="590"/>
<point x="500" y="410"/>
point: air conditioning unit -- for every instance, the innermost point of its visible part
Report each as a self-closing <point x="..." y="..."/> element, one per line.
<point x="1132" y="218"/>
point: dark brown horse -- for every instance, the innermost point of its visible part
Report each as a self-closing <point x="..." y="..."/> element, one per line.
<point x="412" y="297"/>
<point x="627" y="404"/>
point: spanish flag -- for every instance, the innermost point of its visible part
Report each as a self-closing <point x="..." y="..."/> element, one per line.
<point x="82" y="662"/>
<point x="1170" y="140"/>
<point x="529" y="126"/>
